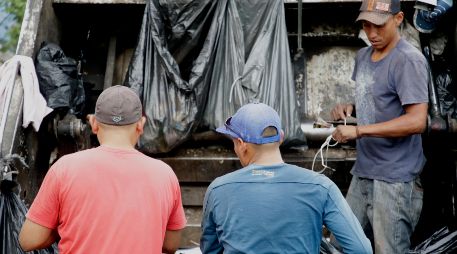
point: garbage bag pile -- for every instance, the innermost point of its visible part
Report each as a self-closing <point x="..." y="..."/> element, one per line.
<point x="197" y="62"/>
<point x="12" y="216"/>
<point x="445" y="85"/>
<point x="442" y="241"/>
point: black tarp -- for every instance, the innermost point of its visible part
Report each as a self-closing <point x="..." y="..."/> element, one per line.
<point x="445" y="85"/>
<point x="12" y="216"/>
<point x="59" y="80"/>
<point x="443" y="241"/>
<point x="193" y="56"/>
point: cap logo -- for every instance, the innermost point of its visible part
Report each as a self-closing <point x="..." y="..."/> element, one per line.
<point x="117" y="119"/>
<point x="380" y="6"/>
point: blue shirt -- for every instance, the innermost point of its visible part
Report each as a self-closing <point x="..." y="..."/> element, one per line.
<point x="382" y="89"/>
<point x="277" y="209"/>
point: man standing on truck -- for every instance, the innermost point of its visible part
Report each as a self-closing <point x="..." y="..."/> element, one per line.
<point x="112" y="198"/>
<point x="270" y="206"/>
<point x="391" y="99"/>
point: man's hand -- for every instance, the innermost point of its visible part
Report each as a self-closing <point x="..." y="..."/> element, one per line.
<point x="341" y="111"/>
<point x="344" y="133"/>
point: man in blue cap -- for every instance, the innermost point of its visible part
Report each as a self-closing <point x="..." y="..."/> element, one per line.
<point x="270" y="206"/>
<point x="391" y="99"/>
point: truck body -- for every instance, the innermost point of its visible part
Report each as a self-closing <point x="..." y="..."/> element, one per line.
<point x="323" y="40"/>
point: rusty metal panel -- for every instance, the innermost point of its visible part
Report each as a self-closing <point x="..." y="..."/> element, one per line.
<point x="328" y="79"/>
<point x="29" y="29"/>
<point x="202" y="169"/>
<point x="193" y="195"/>
<point x="192" y="232"/>
<point x="207" y="167"/>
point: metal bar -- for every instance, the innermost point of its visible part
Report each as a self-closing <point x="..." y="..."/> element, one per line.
<point x="436" y="122"/>
<point x="299" y="26"/>
<point x="110" y="60"/>
<point x="6" y="107"/>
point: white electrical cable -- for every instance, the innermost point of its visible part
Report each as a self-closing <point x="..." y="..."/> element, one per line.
<point x="325" y="145"/>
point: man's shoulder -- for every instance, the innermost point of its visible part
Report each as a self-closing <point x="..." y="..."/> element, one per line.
<point x="228" y="178"/>
<point x="407" y="52"/>
<point x="365" y="51"/>
<point x="286" y="173"/>
<point x="96" y="154"/>
<point x="77" y="156"/>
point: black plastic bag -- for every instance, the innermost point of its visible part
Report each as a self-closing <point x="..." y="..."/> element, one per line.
<point x="444" y="83"/>
<point x="60" y="83"/>
<point x="441" y="242"/>
<point x="253" y="64"/>
<point x="192" y="56"/>
<point x="12" y="216"/>
<point x="327" y="247"/>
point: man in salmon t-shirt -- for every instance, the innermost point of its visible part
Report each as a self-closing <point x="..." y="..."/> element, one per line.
<point x="108" y="199"/>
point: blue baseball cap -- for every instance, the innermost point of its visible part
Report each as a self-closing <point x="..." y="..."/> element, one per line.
<point x="425" y="21"/>
<point x="250" y="121"/>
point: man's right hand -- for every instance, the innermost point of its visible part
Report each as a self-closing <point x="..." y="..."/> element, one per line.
<point x="341" y="111"/>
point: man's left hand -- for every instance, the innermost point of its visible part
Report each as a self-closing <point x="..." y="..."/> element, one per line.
<point x="344" y="133"/>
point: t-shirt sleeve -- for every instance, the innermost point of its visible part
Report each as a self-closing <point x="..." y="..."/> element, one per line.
<point x="341" y="221"/>
<point x="209" y="241"/>
<point x="177" y="219"/>
<point x="45" y="208"/>
<point x="411" y="80"/>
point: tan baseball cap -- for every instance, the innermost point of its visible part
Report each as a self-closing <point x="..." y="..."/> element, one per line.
<point x="118" y="105"/>
<point x="378" y="11"/>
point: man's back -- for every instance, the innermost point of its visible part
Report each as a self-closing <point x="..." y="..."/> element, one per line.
<point x="109" y="200"/>
<point x="276" y="209"/>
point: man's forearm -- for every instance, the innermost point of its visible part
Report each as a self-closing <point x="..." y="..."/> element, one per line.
<point x="413" y="122"/>
<point x="172" y="241"/>
<point x="34" y="236"/>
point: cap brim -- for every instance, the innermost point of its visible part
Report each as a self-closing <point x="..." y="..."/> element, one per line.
<point x="373" y="17"/>
<point x="224" y="130"/>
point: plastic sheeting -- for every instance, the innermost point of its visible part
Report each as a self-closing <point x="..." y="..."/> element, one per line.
<point x="59" y="81"/>
<point x="197" y="62"/>
<point x="444" y="84"/>
<point x="327" y="247"/>
<point x="442" y="241"/>
<point x="12" y="216"/>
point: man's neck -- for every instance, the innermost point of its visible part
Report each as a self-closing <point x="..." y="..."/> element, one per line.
<point x="267" y="158"/>
<point x="118" y="145"/>
<point x="116" y="140"/>
<point x="379" y="54"/>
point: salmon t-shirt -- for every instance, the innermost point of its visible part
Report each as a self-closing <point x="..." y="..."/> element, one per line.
<point x="109" y="200"/>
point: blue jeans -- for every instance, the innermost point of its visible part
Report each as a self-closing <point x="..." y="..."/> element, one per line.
<point x="388" y="212"/>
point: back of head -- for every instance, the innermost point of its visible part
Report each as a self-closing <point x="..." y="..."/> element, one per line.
<point x="254" y="123"/>
<point x="378" y="11"/>
<point x="118" y="106"/>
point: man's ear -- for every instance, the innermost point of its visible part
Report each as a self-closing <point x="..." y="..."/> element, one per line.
<point x="281" y="135"/>
<point x="243" y="146"/>
<point x="399" y="18"/>
<point x="93" y="123"/>
<point x="140" y="125"/>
